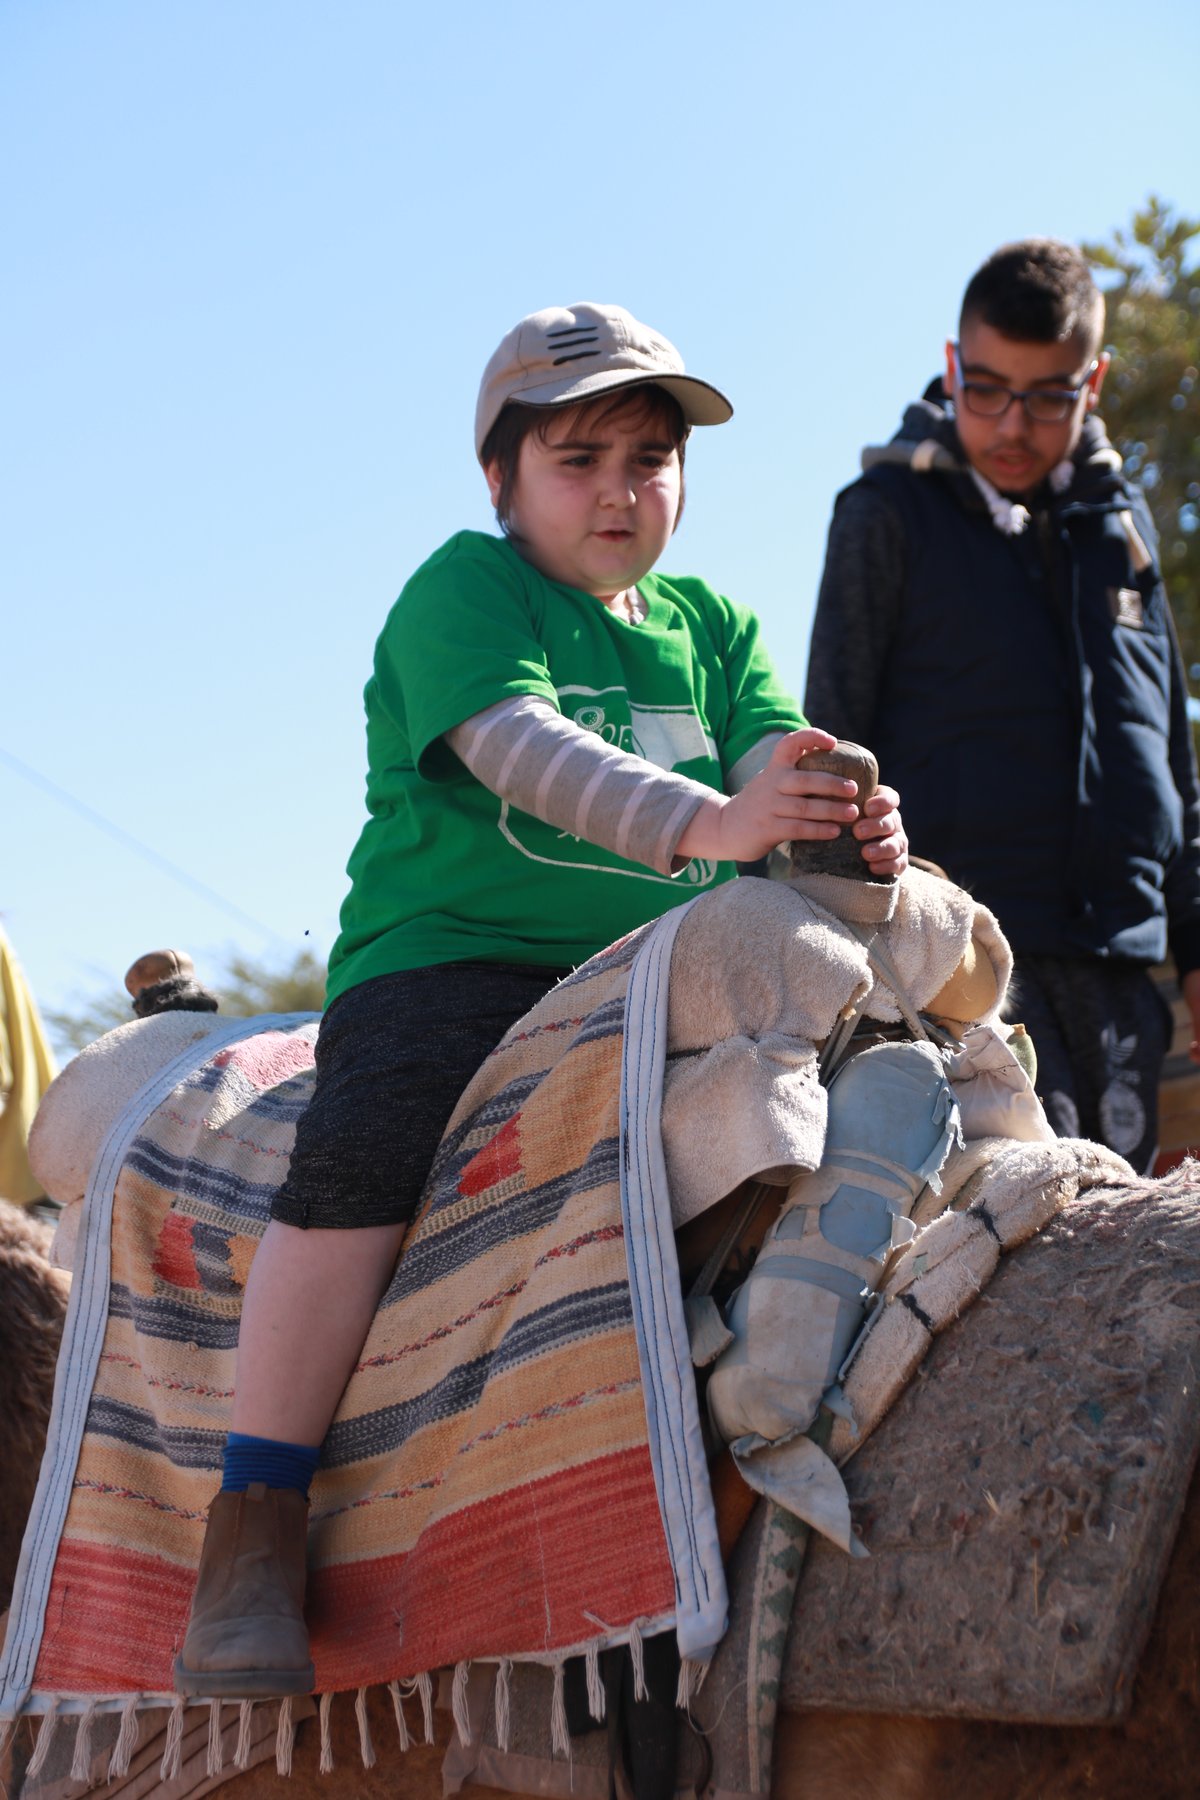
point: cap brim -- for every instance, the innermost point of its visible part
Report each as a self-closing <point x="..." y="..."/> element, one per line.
<point x="701" y="403"/>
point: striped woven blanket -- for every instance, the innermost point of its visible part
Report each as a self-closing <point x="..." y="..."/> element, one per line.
<point x="516" y="1468"/>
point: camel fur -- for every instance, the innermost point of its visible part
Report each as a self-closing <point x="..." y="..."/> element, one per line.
<point x="33" y="1305"/>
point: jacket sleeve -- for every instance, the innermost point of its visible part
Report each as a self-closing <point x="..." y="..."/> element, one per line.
<point x="858" y="614"/>
<point x="1182" y="885"/>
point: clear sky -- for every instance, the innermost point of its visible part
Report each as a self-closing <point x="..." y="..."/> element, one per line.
<point x="256" y="254"/>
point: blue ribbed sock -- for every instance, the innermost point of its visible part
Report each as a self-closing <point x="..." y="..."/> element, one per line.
<point x="279" y="1465"/>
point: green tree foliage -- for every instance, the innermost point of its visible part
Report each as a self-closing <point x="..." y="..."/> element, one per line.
<point x="243" y="987"/>
<point x="1151" y="399"/>
<point x="247" y="987"/>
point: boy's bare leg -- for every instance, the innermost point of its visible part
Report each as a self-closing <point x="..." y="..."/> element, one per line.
<point x="310" y="1299"/>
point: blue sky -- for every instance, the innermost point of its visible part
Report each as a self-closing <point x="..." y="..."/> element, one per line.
<point x="257" y="255"/>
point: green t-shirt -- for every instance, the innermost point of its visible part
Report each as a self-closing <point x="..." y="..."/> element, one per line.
<point x="446" y="871"/>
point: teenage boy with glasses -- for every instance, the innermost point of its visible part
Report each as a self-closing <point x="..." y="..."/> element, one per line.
<point x="992" y="622"/>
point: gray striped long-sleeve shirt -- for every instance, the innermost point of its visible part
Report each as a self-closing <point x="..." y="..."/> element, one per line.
<point x="528" y="754"/>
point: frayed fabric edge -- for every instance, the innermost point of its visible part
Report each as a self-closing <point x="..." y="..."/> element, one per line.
<point x="127" y="1738"/>
<point x="607" y="1637"/>
<point x="55" y="1710"/>
<point x="172" y="1756"/>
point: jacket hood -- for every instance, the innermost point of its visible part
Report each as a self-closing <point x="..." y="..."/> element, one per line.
<point x="927" y="438"/>
<point x="927" y="442"/>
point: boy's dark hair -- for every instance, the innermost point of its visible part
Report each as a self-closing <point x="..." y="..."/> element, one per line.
<point x="642" y="406"/>
<point x="1039" y="291"/>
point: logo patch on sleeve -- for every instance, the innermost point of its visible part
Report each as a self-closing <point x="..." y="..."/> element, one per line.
<point x="1125" y="604"/>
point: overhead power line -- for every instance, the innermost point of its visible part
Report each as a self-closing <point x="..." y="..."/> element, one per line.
<point x="127" y="839"/>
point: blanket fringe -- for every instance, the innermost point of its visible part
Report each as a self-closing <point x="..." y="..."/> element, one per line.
<point x="503" y="1703"/>
<point x="458" y="1702"/>
<point x="326" y="1763"/>
<point x="172" y="1756"/>
<point x="216" y="1751"/>
<point x="366" y="1747"/>
<point x="638" y="1657"/>
<point x="425" y="1689"/>
<point x="81" y="1762"/>
<point x="398" y="1709"/>
<point x="595" y="1687"/>
<point x="45" y="1738"/>
<point x="560" y="1737"/>
<point x="127" y="1738"/>
<point x="241" y="1756"/>
<point x="691" y="1678"/>
<point x="285" y="1734"/>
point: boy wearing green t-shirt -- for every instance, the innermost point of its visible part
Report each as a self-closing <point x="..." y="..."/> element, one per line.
<point x="561" y="745"/>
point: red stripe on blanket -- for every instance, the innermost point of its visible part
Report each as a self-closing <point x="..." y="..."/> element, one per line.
<point x="499" y="1159"/>
<point x="513" y="1575"/>
<point x="113" y="1621"/>
<point x="175" y="1257"/>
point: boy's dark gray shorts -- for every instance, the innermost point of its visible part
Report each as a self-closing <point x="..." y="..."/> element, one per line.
<point x="393" y="1055"/>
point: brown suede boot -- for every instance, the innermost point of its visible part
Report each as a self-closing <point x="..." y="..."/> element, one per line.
<point x="246" y="1637"/>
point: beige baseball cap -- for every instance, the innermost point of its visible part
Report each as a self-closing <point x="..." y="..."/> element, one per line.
<point x="566" y="354"/>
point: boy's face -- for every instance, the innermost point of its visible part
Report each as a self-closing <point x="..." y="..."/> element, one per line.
<point x="1012" y="450"/>
<point x="594" y="505"/>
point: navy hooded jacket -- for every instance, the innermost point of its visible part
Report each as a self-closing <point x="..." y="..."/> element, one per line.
<point x="1024" y="692"/>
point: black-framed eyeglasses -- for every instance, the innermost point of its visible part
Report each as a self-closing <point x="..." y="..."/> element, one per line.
<point x="991" y="400"/>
